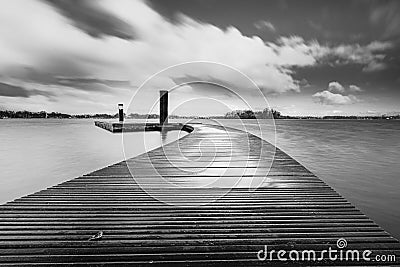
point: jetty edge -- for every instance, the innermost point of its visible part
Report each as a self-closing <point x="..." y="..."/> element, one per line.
<point x="122" y="127"/>
<point x="292" y="210"/>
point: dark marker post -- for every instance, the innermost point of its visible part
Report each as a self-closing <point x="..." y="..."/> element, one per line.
<point x="121" y="112"/>
<point x="163" y="107"/>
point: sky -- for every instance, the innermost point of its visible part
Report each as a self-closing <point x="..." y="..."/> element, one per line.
<point x="301" y="57"/>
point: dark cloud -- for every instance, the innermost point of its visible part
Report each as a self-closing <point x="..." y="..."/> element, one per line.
<point x="92" y="84"/>
<point x="93" y="19"/>
<point x="68" y="81"/>
<point x="12" y="90"/>
<point x="327" y="34"/>
<point x="18" y="91"/>
<point x="386" y="14"/>
<point x="205" y="85"/>
<point x="48" y="69"/>
<point x="221" y="86"/>
<point x="29" y="74"/>
<point x="32" y="75"/>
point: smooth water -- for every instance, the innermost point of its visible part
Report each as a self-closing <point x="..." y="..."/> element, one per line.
<point x="360" y="159"/>
<point x="38" y="153"/>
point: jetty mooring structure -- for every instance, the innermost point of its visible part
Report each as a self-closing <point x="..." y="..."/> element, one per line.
<point x="164" y="124"/>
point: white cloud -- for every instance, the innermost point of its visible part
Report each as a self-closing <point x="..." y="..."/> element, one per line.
<point x="370" y="55"/>
<point x="379" y="46"/>
<point x="374" y="66"/>
<point x="328" y="98"/>
<point x="263" y="24"/>
<point x="354" y="88"/>
<point x="335" y="87"/>
<point x="294" y="51"/>
<point x="35" y="35"/>
<point x="335" y="95"/>
<point x="306" y="53"/>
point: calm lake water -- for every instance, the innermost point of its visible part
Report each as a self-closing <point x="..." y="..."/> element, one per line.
<point x="38" y="153"/>
<point x="360" y="159"/>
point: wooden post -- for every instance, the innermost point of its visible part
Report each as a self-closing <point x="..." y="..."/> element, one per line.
<point x="163" y="107"/>
<point x="121" y="112"/>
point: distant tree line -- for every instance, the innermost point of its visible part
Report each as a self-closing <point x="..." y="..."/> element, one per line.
<point x="142" y="116"/>
<point x="385" y="117"/>
<point x="57" y="115"/>
<point x="95" y="116"/>
<point x="236" y="114"/>
<point x="249" y="114"/>
<point x="50" y="115"/>
<point x="31" y="115"/>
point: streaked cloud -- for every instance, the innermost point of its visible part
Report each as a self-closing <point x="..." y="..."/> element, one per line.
<point x="159" y="44"/>
<point x="372" y="54"/>
<point x="323" y="31"/>
<point x="31" y="75"/>
<point x="9" y="90"/>
<point x="92" y="18"/>
<point x="374" y="66"/>
<point x="294" y="50"/>
<point x="265" y="25"/>
<point x="78" y="81"/>
<point x="387" y="15"/>
<point x="354" y="88"/>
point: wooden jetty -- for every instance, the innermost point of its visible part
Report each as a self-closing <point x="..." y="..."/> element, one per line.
<point x="163" y="125"/>
<point x="214" y="197"/>
<point x="119" y="127"/>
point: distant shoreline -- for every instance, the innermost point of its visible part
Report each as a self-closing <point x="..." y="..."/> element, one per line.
<point x="237" y="114"/>
<point x="205" y="118"/>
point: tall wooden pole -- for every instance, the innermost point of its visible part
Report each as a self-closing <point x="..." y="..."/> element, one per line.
<point x="163" y="107"/>
<point x="121" y="112"/>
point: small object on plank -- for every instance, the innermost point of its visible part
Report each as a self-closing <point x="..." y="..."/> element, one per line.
<point x="97" y="236"/>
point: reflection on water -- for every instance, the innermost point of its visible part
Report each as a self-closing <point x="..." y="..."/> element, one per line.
<point x="164" y="135"/>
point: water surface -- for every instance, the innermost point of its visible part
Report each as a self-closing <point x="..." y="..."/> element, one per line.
<point x="360" y="159"/>
<point x="38" y="153"/>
